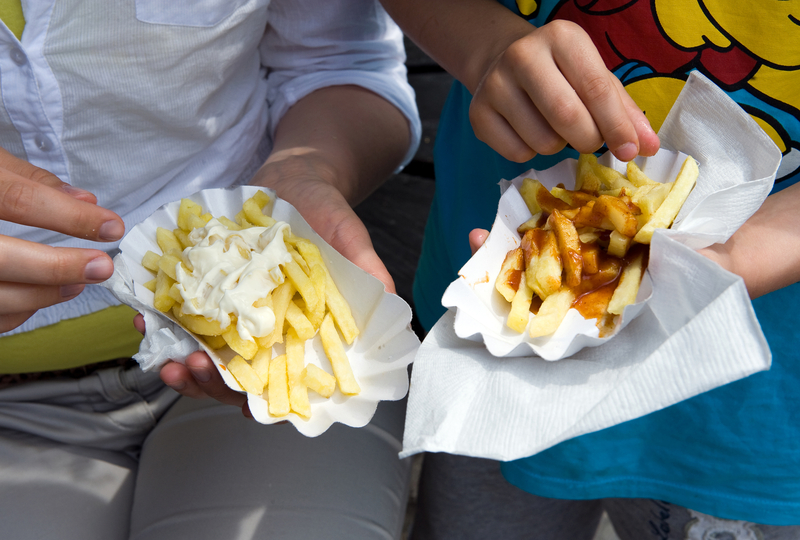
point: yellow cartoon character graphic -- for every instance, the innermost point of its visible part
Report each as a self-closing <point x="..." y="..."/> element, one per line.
<point x="750" y="48"/>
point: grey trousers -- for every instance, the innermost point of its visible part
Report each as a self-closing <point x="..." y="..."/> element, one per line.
<point x="118" y="455"/>
<point x="462" y="498"/>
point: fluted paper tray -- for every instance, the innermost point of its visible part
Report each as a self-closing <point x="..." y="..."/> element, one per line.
<point x="380" y="355"/>
<point x="696" y="332"/>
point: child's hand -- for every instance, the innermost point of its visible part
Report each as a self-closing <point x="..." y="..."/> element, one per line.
<point x="551" y="88"/>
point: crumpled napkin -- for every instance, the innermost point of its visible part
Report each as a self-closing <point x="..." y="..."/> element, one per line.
<point x="698" y="330"/>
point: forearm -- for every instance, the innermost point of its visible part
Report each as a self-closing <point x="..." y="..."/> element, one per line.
<point x="765" y="251"/>
<point x="351" y="137"/>
<point x="463" y="36"/>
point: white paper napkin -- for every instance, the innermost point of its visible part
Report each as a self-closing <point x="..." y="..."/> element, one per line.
<point x="380" y="355"/>
<point x="697" y="331"/>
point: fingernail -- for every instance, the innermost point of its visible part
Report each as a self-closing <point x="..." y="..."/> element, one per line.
<point x="68" y="291"/>
<point x="99" y="269"/>
<point x="201" y="374"/>
<point x="73" y="191"/>
<point x="178" y="385"/>
<point x="626" y="152"/>
<point x="112" y="230"/>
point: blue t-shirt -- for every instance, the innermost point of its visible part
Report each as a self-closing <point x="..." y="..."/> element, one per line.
<point x="732" y="452"/>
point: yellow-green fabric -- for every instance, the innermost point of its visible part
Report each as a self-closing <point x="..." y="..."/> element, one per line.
<point x="100" y="336"/>
<point x="11" y="14"/>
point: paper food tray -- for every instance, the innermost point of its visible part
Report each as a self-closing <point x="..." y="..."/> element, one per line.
<point x="379" y="356"/>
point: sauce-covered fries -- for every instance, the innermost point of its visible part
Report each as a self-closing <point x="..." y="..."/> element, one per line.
<point x="586" y="248"/>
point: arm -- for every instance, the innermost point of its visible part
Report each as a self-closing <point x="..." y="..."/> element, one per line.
<point x="331" y="150"/>
<point x="765" y="251"/>
<point x="34" y="276"/>
<point x="534" y="89"/>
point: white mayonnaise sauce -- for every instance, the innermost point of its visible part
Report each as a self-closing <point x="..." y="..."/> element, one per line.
<point x="230" y="271"/>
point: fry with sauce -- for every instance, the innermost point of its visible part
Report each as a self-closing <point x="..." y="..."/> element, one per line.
<point x="587" y="249"/>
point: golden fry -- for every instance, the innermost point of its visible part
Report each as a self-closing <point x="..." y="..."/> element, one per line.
<point x="508" y="279"/>
<point x="295" y="362"/>
<point x="278" y="388"/>
<point x="246" y="375"/>
<point x="334" y="350"/>
<point x="520" y="312"/>
<point x="260" y="363"/>
<point x="628" y="287"/>
<point x="319" y="380"/>
<point x="551" y="313"/>
<point x="666" y="213"/>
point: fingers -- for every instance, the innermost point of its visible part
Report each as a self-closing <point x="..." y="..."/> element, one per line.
<point x="41" y="204"/>
<point x="351" y="239"/>
<point x="33" y="276"/>
<point x="551" y="89"/>
<point x="476" y="239"/>
<point x="138" y="323"/>
<point x="648" y="139"/>
<point x="9" y="322"/>
<point x="28" y="262"/>
<point x="199" y="378"/>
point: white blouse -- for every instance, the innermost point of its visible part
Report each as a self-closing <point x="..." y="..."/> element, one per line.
<point x="142" y="102"/>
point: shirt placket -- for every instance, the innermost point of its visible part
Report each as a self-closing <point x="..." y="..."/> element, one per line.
<point x="30" y="91"/>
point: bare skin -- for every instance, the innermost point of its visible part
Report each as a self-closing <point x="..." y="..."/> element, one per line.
<point x="534" y="89"/>
<point x="34" y="276"/>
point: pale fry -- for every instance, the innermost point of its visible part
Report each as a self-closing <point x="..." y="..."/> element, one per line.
<point x="278" y="388"/>
<point x="340" y="310"/>
<point x="618" y="212"/>
<point x="252" y="211"/>
<point x="569" y="246"/>
<point x="628" y="286"/>
<point x="319" y="380"/>
<point x="167" y="241"/>
<point x="281" y="297"/>
<point x="162" y="300"/>
<point x="197" y="324"/>
<point x="549" y="266"/>
<point x="528" y="190"/>
<point x="244" y="347"/>
<point x="666" y="213"/>
<point x="636" y="176"/>
<point x="586" y="179"/>
<point x="295" y="362"/>
<point x="246" y="375"/>
<point x="215" y="342"/>
<point x="618" y="244"/>
<point x="553" y="310"/>
<point x="298" y="320"/>
<point x="508" y="279"/>
<point x="518" y="317"/>
<point x="334" y="350"/>
<point x="302" y="283"/>
<point x="186" y="212"/>
<point x="150" y="261"/>
<point x="318" y="279"/>
<point x="337" y="305"/>
<point x="260" y="363"/>
<point x="168" y="262"/>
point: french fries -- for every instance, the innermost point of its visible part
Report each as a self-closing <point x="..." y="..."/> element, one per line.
<point x="271" y="361"/>
<point x="586" y="248"/>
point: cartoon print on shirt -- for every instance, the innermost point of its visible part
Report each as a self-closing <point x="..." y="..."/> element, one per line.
<point x="750" y="49"/>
